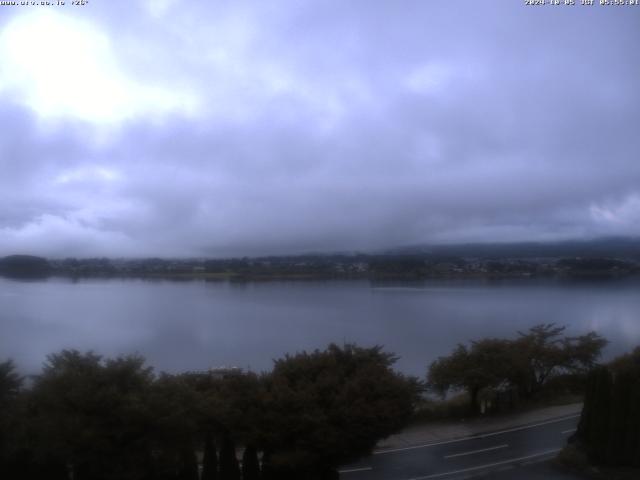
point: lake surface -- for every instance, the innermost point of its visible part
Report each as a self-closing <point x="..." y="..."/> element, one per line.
<point x="192" y="325"/>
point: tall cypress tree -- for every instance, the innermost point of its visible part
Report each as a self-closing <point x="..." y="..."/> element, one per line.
<point x="229" y="468"/>
<point x="633" y="432"/>
<point x="609" y="427"/>
<point x="627" y="433"/>
<point x="210" y="459"/>
<point x="618" y="420"/>
<point x="250" y="464"/>
<point x="597" y="433"/>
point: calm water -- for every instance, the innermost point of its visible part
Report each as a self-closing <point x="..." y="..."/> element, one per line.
<point x="195" y="325"/>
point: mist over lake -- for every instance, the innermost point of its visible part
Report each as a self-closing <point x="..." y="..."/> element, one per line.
<point x="194" y="325"/>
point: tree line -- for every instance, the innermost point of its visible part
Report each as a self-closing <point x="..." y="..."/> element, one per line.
<point x="521" y="367"/>
<point x="85" y="417"/>
<point x="89" y="417"/>
<point x="609" y="428"/>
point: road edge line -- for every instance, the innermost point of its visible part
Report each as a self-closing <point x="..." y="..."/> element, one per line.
<point x="489" y="465"/>
<point x="472" y="452"/>
<point x="478" y="435"/>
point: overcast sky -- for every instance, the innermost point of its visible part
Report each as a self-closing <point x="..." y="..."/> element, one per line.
<point x="166" y="127"/>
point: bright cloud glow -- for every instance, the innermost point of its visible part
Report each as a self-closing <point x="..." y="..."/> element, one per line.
<point x="87" y="174"/>
<point x="60" y="66"/>
<point x="158" y="8"/>
<point x="158" y="127"/>
<point x="429" y="78"/>
<point x="624" y="215"/>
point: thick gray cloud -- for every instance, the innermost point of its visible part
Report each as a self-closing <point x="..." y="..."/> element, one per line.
<point x="232" y="128"/>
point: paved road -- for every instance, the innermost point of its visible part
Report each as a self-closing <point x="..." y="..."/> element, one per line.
<point x="488" y="453"/>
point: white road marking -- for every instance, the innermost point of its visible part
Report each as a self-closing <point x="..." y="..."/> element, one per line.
<point x="353" y="470"/>
<point x="477" y="451"/>
<point x="571" y="430"/>
<point x="488" y="465"/>
<point x="473" y="437"/>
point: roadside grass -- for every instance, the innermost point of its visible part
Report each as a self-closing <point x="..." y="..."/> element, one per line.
<point x="457" y="407"/>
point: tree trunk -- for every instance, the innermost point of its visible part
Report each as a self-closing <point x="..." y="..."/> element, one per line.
<point x="250" y="464"/>
<point x="209" y="459"/>
<point x="474" y="393"/>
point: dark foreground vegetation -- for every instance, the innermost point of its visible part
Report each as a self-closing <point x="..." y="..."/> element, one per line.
<point x="498" y="373"/>
<point x="606" y="444"/>
<point x="89" y="418"/>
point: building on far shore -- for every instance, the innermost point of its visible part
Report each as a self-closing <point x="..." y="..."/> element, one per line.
<point x="220" y="373"/>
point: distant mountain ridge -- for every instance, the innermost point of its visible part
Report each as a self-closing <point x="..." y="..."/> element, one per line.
<point x="613" y="257"/>
<point x="619" y="247"/>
